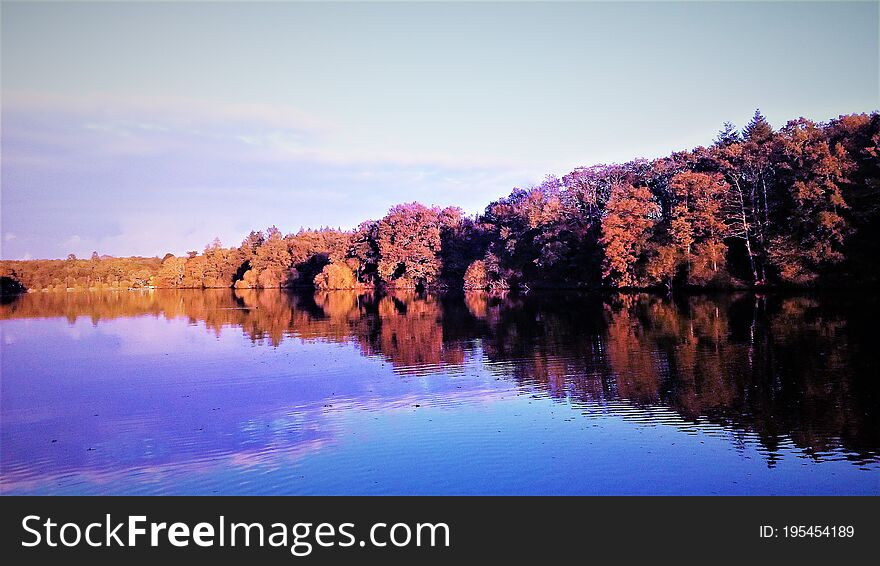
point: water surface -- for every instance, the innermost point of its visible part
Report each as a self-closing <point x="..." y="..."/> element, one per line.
<point x="270" y="392"/>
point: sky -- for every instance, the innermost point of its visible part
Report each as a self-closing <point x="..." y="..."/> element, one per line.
<point x="146" y="128"/>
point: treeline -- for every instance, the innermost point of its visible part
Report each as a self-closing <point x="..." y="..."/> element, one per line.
<point x="98" y="272"/>
<point x="758" y="207"/>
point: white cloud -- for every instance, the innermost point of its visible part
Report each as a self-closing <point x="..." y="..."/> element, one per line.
<point x="260" y="133"/>
<point x="144" y="176"/>
<point x="177" y="112"/>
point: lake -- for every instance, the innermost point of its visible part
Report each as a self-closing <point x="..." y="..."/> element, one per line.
<point x="274" y="392"/>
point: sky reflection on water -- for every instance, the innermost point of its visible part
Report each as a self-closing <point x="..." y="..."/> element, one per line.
<point x="202" y="392"/>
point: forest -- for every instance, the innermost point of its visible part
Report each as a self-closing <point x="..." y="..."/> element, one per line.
<point x="796" y="207"/>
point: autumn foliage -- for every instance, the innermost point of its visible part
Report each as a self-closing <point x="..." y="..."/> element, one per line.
<point x="798" y="206"/>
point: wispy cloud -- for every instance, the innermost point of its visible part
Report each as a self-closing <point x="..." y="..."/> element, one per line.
<point x="178" y="112"/>
<point x="145" y="175"/>
<point x="141" y="125"/>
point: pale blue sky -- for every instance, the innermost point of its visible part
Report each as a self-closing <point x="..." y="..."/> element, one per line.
<point x="153" y="127"/>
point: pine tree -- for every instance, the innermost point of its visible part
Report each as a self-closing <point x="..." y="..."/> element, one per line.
<point x="758" y="130"/>
<point x="728" y="135"/>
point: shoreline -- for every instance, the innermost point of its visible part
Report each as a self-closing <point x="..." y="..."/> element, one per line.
<point x="534" y="290"/>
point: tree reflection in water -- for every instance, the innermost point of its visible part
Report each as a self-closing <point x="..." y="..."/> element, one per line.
<point x="782" y="367"/>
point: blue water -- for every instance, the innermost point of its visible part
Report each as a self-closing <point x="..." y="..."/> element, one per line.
<point x="439" y="397"/>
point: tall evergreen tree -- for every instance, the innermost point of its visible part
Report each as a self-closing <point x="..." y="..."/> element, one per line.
<point x="758" y="129"/>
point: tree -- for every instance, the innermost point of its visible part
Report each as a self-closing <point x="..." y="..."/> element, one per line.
<point x="171" y="272"/>
<point x="728" y="135"/>
<point x="629" y="216"/>
<point x="813" y="172"/>
<point x="758" y="130"/>
<point x="462" y="241"/>
<point x="744" y="168"/>
<point x="408" y="239"/>
<point x="271" y="262"/>
<point x="194" y="271"/>
<point x="859" y="135"/>
<point x="311" y="250"/>
<point x="699" y="228"/>
<point x="801" y="205"/>
<point x="336" y="276"/>
<point x="476" y="277"/>
<point x="363" y="248"/>
<point x="541" y="234"/>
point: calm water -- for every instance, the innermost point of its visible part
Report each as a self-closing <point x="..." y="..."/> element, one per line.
<point x="245" y="392"/>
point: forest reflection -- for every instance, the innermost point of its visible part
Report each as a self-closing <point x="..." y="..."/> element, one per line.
<point x="785" y="368"/>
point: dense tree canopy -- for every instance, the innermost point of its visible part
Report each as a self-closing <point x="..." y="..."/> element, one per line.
<point x="797" y="206"/>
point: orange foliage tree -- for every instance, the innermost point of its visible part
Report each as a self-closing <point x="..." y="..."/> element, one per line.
<point x="629" y="216"/>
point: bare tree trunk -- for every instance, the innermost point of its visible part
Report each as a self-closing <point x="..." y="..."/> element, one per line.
<point x="687" y="276"/>
<point x="746" y="230"/>
<point x="714" y="252"/>
<point x="766" y="206"/>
